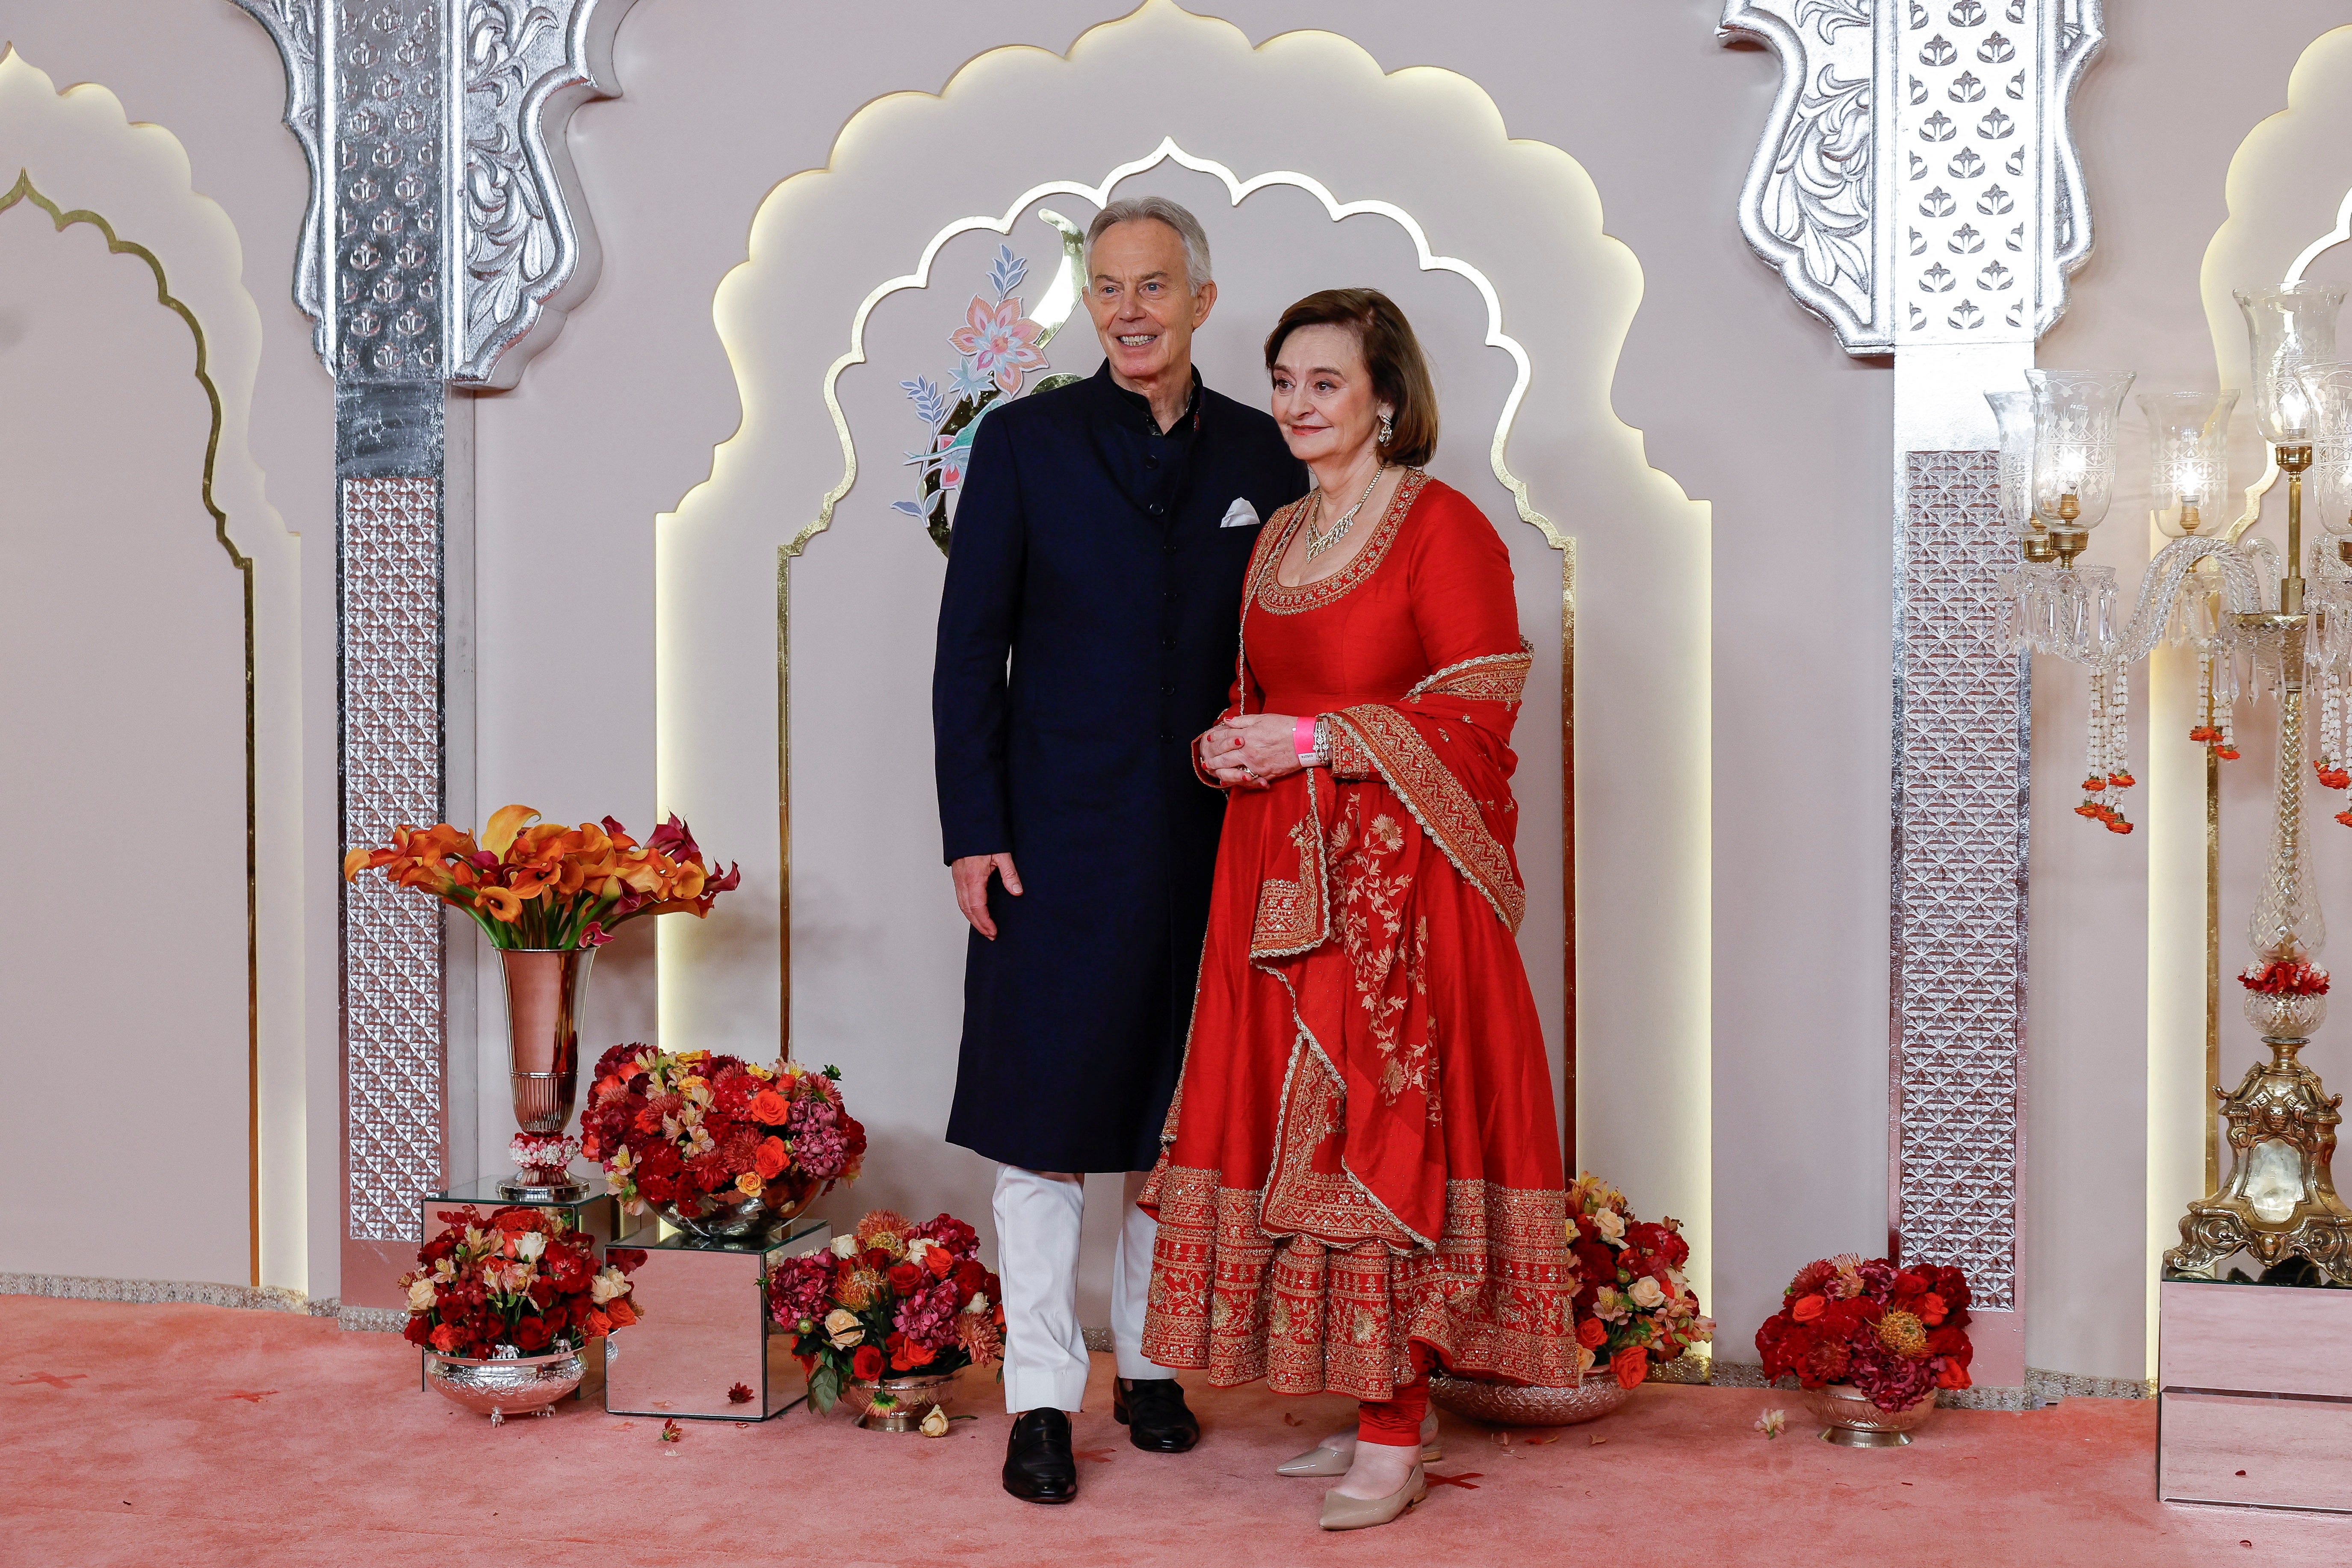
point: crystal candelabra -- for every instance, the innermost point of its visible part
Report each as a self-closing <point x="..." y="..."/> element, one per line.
<point x="2261" y="628"/>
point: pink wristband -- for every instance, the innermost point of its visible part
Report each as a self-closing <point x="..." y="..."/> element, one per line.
<point x="1302" y="740"/>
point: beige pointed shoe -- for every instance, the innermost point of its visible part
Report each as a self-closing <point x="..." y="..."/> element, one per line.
<point x="1341" y="1512"/>
<point x="1325" y="1463"/>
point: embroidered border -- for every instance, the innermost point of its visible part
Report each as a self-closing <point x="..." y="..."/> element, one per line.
<point x="1438" y="800"/>
<point x="1330" y="1207"/>
<point x="1495" y="1296"/>
<point x="1278" y="600"/>
<point x="1296" y="917"/>
<point x="1490" y="677"/>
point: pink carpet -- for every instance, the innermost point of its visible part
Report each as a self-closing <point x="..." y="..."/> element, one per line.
<point x="202" y="1435"/>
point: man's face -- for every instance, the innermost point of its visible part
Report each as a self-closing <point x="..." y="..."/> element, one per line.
<point x="1144" y="308"/>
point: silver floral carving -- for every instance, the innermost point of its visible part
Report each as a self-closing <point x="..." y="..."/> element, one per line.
<point x="1962" y="719"/>
<point x="1917" y="180"/>
<point x="530" y="250"/>
<point x="373" y="89"/>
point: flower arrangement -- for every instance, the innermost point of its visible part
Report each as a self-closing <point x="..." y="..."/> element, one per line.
<point x="2286" y="979"/>
<point x="1896" y="1334"/>
<point x="685" y="1129"/>
<point x="518" y="1283"/>
<point x="549" y="886"/>
<point x="888" y="1301"/>
<point x="1633" y="1309"/>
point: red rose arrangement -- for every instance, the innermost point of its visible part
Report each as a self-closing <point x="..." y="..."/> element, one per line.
<point x="1633" y="1309"/>
<point x="1898" y="1334"/>
<point x="518" y="1283"/>
<point x="697" y="1131"/>
<point x="891" y="1299"/>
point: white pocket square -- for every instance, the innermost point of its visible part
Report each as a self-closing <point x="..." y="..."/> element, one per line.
<point x="1241" y="514"/>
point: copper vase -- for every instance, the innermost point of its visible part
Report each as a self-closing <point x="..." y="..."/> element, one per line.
<point x="545" y="988"/>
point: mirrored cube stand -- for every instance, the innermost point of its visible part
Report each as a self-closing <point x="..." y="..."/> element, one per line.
<point x="706" y="1332"/>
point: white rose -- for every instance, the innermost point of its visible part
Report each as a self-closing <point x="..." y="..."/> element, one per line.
<point x="845" y="1247"/>
<point x="609" y="1282"/>
<point x="420" y="1296"/>
<point x="1612" y="1226"/>
<point x="978" y="1302"/>
<point x="530" y="1244"/>
<point x="1646" y="1293"/>
<point x="935" y="1425"/>
<point x="917" y="1245"/>
<point x="842" y="1329"/>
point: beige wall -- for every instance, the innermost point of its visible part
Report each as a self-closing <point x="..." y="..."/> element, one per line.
<point x="1746" y="401"/>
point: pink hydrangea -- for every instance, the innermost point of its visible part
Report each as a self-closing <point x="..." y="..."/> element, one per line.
<point x="928" y="1316"/>
<point x="820" y="1146"/>
<point x="798" y="1288"/>
<point x="960" y="1240"/>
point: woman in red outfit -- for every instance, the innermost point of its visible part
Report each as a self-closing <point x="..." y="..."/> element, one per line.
<point x="1361" y="1172"/>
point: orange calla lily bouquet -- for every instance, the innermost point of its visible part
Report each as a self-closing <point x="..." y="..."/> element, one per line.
<point x="541" y="885"/>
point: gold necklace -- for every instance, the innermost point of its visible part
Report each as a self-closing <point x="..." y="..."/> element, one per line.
<point x="1317" y="544"/>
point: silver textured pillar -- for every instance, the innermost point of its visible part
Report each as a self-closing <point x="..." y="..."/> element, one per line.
<point x="1917" y="186"/>
<point x="444" y="239"/>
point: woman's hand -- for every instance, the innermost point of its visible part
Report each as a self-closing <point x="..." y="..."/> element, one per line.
<point x="1249" y="751"/>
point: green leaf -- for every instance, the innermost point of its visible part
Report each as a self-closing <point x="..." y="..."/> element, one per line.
<point x="824" y="1387"/>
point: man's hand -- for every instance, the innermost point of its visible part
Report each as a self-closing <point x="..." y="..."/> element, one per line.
<point x="1248" y="750"/>
<point x="971" y="873"/>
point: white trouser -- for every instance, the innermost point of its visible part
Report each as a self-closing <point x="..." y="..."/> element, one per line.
<point x="1039" y="1215"/>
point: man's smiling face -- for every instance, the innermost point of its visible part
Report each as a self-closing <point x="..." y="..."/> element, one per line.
<point x="1143" y="305"/>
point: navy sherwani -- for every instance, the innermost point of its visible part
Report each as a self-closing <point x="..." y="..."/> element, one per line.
<point x="1086" y="636"/>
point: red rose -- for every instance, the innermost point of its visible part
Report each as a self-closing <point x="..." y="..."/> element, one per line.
<point x="531" y="1333"/>
<point x="1931" y="1309"/>
<point x="905" y="1277"/>
<point x="1808" y="1308"/>
<point x="418" y="1331"/>
<point x="939" y="1261"/>
<point x="1953" y="1373"/>
<point x="444" y="1340"/>
<point x="866" y="1365"/>
<point x="1631" y="1364"/>
<point x="970" y="1277"/>
<point x="1591" y="1334"/>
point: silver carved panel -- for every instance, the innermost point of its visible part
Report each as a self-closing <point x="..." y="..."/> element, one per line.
<point x="1917" y="182"/>
<point x="446" y="235"/>
<point x="392" y="763"/>
<point x="1962" y="716"/>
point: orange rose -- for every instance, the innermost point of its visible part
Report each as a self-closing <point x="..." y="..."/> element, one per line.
<point x="1631" y="1364"/>
<point x="938" y="1261"/>
<point x="444" y="1339"/>
<point x="619" y="1310"/>
<point x="1932" y="1309"/>
<point x="1807" y="1309"/>
<point x="1591" y="1334"/>
<point x="599" y="1324"/>
<point x="768" y="1107"/>
<point x="1954" y="1376"/>
<point x="772" y="1157"/>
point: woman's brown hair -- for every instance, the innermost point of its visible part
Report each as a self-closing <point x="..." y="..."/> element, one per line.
<point x="1400" y="370"/>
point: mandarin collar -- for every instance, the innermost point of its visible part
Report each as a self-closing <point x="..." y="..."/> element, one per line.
<point x="1140" y="405"/>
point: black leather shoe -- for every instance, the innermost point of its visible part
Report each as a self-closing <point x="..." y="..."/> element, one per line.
<point x="1155" y="1415"/>
<point x="1037" y="1463"/>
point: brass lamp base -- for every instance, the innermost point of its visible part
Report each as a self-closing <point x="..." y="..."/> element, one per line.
<point x="2279" y="1199"/>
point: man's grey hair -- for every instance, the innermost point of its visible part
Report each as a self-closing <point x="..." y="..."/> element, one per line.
<point x="1160" y="209"/>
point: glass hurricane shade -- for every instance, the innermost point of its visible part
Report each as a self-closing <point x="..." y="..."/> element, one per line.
<point x="2075" y="443"/>
<point x="2329" y="389"/>
<point x="2012" y="414"/>
<point x="2187" y="458"/>
<point x="2288" y="329"/>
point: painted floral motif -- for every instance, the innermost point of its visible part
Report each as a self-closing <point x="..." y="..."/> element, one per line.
<point x="1000" y="349"/>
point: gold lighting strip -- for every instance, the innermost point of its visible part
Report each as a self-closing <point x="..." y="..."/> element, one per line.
<point x="1238" y="189"/>
<point x="24" y="190"/>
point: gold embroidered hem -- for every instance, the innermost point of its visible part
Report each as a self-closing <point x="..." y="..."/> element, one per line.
<point x="1493" y="1298"/>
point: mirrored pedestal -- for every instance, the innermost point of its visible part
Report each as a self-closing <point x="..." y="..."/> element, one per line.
<point x="706" y="1331"/>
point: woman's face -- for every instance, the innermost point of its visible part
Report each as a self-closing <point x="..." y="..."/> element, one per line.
<point x="1323" y="396"/>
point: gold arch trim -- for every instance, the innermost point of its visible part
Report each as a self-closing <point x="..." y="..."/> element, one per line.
<point x="61" y="219"/>
<point x="1237" y="190"/>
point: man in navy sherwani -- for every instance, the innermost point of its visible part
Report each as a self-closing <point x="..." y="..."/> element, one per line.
<point x="1088" y="633"/>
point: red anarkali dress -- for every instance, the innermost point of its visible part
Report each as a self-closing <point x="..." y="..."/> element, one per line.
<point x="1361" y="1165"/>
